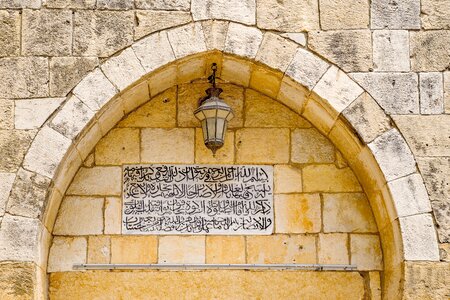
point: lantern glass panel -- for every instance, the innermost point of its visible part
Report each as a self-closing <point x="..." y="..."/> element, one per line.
<point x="219" y="128"/>
<point x="211" y="128"/>
<point x="204" y="130"/>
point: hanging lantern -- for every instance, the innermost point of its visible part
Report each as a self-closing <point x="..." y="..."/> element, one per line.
<point x="214" y="114"/>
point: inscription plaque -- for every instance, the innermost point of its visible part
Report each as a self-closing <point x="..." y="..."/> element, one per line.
<point x="197" y="199"/>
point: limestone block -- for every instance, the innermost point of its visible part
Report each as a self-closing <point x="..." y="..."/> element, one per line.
<point x="225" y="249"/>
<point x="7" y="180"/>
<point x="426" y="135"/>
<point x="391" y="50"/>
<point x="429" y="50"/>
<point x="243" y="40"/>
<point x="20" y="4"/>
<point x="351" y="50"/>
<point x="17" y="280"/>
<point x="333" y="248"/>
<point x="167" y="145"/>
<point x="352" y="14"/>
<point x="135" y="97"/>
<point x="23" y="77"/>
<point x="181" y="249"/>
<point x="95" y="90"/>
<point x="99" y="251"/>
<point x="97" y="181"/>
<point x="119" y="146"/>
<point x="435" y="172"/>
<point x="276" y="51"/>
<point x="186" y="40"/>
<point x="426" y="280"/>
<point x="65" y="252"/>
<point x="396" y="93"/>
<point x="191" y="69"/>
<point x="309" y="146"/>
<point x="447" y="92"/>
<point x="431" y="93"/>
<point x="278" y="249"/>
<point x="375" y="285"/>
<point x="419" y="238"/>
<point x="101" y="33"/>
<point x="262" y="111"/>
<point x="272" y="145"/>
<point x="328" y="178"/>
<point x="287" y="179"/>
<point x="149" y="21"/>
<point x="266" y="80"/>
<point x="47" y="32"/>
<point x="435" y="14"/>
<point x="134" y="249"/>
<point x="19" y="238"/>
<point x="215" y="33"/>
<point x="395" y="14"/>
<point x="28" y="194"/>
<point x="10" y="33"/>
<point x="409" y="195"/>
<point x="292" y="94"/>
<point x="6" y="114"/>
<point x="77" y="4"/>
<point x="31" y="114"/>
<point x="163" y="4"/>
<point x="236" y="71"/>
<point x="13" y="147"/>
<point x="366" y="252"/>
<point x="444" y="251"/>
<point x="367" y="118"/>
<point x="224" y="155"/>
<point x="289" y="15"/>
<point x="154" y="51"/>
<point x="347" y="213"/>
<point x="297" y="213"/>
<point x="306" y="68"/>
<point x="113" y="215"/>
<point x="298" y="37"/>
<point x="79" y="216"/>
<point x="124" y="69"/>
<point x="337" y="89"/>
<point x="242" y="11"/>
<point x="88" y="140"/>
<point x="46" y="152"/>
<point x="115" y="4"/>
<point x="162" y="79"/>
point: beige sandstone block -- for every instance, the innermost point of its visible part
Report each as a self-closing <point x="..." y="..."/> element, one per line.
<point x="181" y="249"/>
<point x="215" y="33"/>
<point x="309" y="146"/>
<point x="306" y="68"/>
<point x="429" y="51"/>
<point x="31" y="114"/>
<point x="225" y="250"/>
<point x="134" y="97"/>
<point x="366" y="252"/>
<point x="163" y="4"/>
<point x="333" y="248"/>
<point x="287" y="179"/>
<point x="272" y="145"/>
<point x="353" y="14"/>
<point x="119" y="146"/>
<point x="278" y="249"/>
<point x="88" y="140"/>
<point x="149" y="21"/>
<point x="427" y="280"/>
<point x="276" y="51"/>
<point x="391" y="50"/>
<point x="115" y="4"/>
<point x="69" y="3"/>
<point x="149" y="58"/>
<point x="187" y="40"/>
<point x="224" y="155"/>
<point x="242" y="11"/>
<point x="17" y="280"/>
<point x="167" y="145"/>
<point x="97" y="181"/>
<point x="320" y="113"/>
<point x="435" y="14"/>
<point x="65" y="252"/>
<point x="265" y="80"/>
<point x="113" y="215"/>
<point x="328" y="178"/>
<point x="375" y="285"/>
<point x="134" y="249"/>
<point x="10" y="37"/>
<point x="192" y="69"/>
<point x="395" y="15"/>
<point x="292" y="94"/>
<point x="80" y="216"/>
<point x="431" y="93"/>
<point x="98" y="250"/>
<point x="110" y="115"/>
<point x="347" y="213"/>
<point x="162" y="79"/>
<point x="243" y="40"/>
<point x="13" y="146"/>
<point x="297" y="213"/>
<point x="236" y="70"/>
<point x="7" y="180"/>
<point x="7" y="114"/>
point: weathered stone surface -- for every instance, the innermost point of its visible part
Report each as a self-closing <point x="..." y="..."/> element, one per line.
<point x="215" y="33"/>
<point x="242" y="40"/>
<point x="351" y="50"/>
<point x="97" y="181"/>
<point x="123" y="69"/>
<point x="13" y="146"/>
<point x="163" y="4"/>
<point x="23" y="77"/>
<point x="162" y="79"/>
<point x="441" y="209"/>
<point x="19" y="238"/>
<point x="435" y="14"/>
<point x="28" y="194"/>
<point x="242" y="11"/>
<point x="99" y="249"/>
<point x="353" y="14"/>
<point x="17" y="280"/>
<point x="276" y="51"/>
<point x="66" y="251"/>
<point x="298" y="37"/>
<point x="186" y="40"/>
<point x="7" y="114"/>
<point x="306" y="68"/>
<point x="151" y="59"/>
<point x="224" y="155"/>
<point x="167" y="145"/>
<point x="134" y="249"/>
<point x="119" y="146"/>
<point x="77" y="4"/>
<point x="266" y="80"/>
<point x="366" y="252"/>
<point x="115" y="4"/>
<point x="20" y="4"/>
<point x="9" y="33"/>
<point x="347" y="213"/>
<point x="419" y="238"/>
<point x="101" y="33"/>
<point x="31" y="114"/>
<point x="429" y="50"/>
<point x="332" y="179"/>
<point x="278" y="249"/>
<point x="225" y="250"/>
<point x="391" y="50"/>
<point x="181" y="249"/>
<point x="113" y="215"/>
<point x="333" y="248"/>
<point x="309" y="146"/>
<point x="287" y="179"/>
<point x="289" y="15"/>
<point x="236" y="70"/>
<point x="427" y="280"/>
<point x="297" y="213"/>
<point x="426" y="135"/>
<point x="395" y="14"/>
<point x="272" y="142"/>
<point x="7" y="180"/>
<point x="47" y="32"/>
<point x="447" y="92"/>
<point x="149" y="21"/>
<point x="396" y="93"/>
<point x="431" y="93"/>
